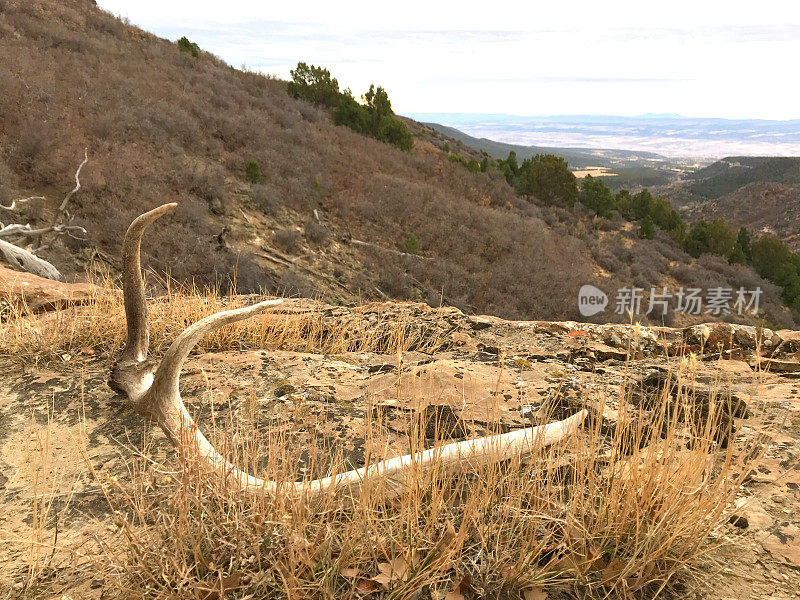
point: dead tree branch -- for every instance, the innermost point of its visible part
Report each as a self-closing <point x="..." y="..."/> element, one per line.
<point x="62" y="208"/>
<point x="21" y="201"/>
<point x="61" y="224"/>
<point x="389" y="250"/>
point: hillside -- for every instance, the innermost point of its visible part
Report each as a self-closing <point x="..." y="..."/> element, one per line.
<point x="761" y="207"/>
<point x="732" y="173"/>
<point x="759" y="193"/>
<point x="334" y="210"/>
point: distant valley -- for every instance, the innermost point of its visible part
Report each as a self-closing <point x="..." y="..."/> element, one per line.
<point x="645" y="151"/>
<point x="663" y="136"/>
<point x="761" y="193"/>
<point x="620" y="168"/>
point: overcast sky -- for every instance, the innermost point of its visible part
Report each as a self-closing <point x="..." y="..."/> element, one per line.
<point x="699" y="58"/>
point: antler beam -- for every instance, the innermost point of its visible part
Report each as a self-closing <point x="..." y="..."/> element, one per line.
<point x="154" y="391"/>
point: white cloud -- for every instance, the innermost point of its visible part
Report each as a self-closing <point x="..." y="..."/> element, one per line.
<point x="724" y="59"/>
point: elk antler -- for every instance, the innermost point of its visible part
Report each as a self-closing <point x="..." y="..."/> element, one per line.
<point x="154" y="391"/>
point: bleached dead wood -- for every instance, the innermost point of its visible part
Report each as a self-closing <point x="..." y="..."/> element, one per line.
<point x="62" y="208"/>
<point x="13" y="205"/>
<point x="27" y="261"/>
<point x="153" y="389"/>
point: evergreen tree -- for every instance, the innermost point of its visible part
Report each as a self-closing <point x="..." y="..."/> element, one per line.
<point x="646" y="228"/>
<point x="393" y="131"/>
<point x="548" y="178"/>
<point x="697" y="239"/>
<point x="595" y="195"/>
<point x="721" y="238"/>
<point x="742" y="253"/>
<point x="768" y="253"/>
<point x="314" y="84"/>
<point x="189" y="47"/>
<point x="351" y="114"/>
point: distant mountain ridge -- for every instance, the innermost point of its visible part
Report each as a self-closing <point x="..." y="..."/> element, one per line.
<point x="680" y="138"/>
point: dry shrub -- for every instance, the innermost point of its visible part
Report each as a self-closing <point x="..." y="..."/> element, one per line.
<point x="293" y="284"/>
<point x="623" y="511"/>
<point x="266" y="198"/>
<point x="316" y="232"/>
<point x="288" y="240"/>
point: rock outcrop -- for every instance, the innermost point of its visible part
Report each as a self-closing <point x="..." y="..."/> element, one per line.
<point x="35" y="294"/>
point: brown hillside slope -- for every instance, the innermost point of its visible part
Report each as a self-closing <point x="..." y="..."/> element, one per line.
<point x="163" y="126"/>
<point x="761" y="207"/>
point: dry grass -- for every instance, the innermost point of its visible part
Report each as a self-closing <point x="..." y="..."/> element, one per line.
<point x="627" y="507"/>
<point x="608" y="514"/>
<point x="98" y="326"/>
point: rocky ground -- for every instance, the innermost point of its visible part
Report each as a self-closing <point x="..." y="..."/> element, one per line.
<point x="62" y="429"/>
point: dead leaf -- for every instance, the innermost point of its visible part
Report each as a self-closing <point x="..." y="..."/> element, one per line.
<point x="457" y="593"/>
<point x="349" y="572"/>
<point x="613" y="569"/>
<point x="449" y="535"/>
<point x="594" y="556"/>
<point x="536" y="593"/>
<point x="216" y="590"/>
<point x="367" y="586"/>
<point x="383" y="579"/>
<point x="395" y="570"/>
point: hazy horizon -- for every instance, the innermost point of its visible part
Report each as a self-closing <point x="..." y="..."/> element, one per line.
<point x="666" y="135"/>
<point x="598" y="115"/>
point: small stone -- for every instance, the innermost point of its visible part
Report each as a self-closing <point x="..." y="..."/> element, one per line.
<point x="284" y="388"/>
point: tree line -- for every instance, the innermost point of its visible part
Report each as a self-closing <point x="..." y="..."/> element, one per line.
<point x="373" y="116"/>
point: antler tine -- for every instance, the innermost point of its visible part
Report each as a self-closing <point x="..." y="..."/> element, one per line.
<point x="133" y="285"/>
<point x="163" y="399"/>
<point x="167" y="376"/>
